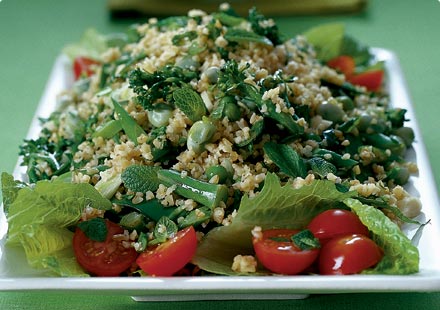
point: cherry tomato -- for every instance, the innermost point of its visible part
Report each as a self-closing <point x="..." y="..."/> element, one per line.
<point x="83" y="66"/>
<point x="372" y="80"/>
<point x="348" y="254"/>
<point x="170" y="256"/>
<point x="282" y="257"/>
<point x="345" y="64"/>
<point x="336" y="222"/>
<point x="108" y="258"/>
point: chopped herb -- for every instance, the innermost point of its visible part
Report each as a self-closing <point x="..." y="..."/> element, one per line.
<point x="190" y="102"/>
<point x="142" y="179"/>
<point x="305" y="240"/>
<point x="286" y="159"/>
<point x="95" y="229"/>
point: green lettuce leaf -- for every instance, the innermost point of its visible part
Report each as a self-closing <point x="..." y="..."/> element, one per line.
<point x="39" y="219"/>
<point x="92" y="44"/>
<point x="400" y="255"/>
<point x="10" y="188"/>
<point x="275" y="206"/>
<point x="327" y="40"/>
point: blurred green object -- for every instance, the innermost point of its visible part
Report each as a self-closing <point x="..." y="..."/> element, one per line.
<point x="129" y="8"/>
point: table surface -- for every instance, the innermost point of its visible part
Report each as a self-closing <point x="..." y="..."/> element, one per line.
<point x="32" y="34"/>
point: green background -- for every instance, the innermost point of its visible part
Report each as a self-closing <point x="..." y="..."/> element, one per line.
<point x="32" y="34"/>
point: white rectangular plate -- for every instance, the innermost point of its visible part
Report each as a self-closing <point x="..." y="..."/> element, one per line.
<point x="15" y="275"/>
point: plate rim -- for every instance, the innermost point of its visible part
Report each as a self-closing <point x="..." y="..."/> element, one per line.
<point x="238" y="287"/>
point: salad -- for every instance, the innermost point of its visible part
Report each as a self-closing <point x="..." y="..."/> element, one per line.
<point x="212" y="144"/>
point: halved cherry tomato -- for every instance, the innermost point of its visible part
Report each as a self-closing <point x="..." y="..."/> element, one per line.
<point x="108" y="258"/>
<point x="344" y="63"/>
<point x="170" y="256"/>
<point x="349" y="254"/>
<point x="282" y="257"/>
<point x="372" y="80"/>
<point x="336" y="222"/>
<point x="83" y="66"/>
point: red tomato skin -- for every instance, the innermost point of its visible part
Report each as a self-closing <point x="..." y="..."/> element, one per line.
<point x="105" y="259"/>
<point x="170" y="256"/>
<point x="83" y="66"/>
<point x="343" y="63"/>
<point x="349" y="254"/>
<point x="336" y="222"/>
<point x="282" y="257"/>
<point x="372" y="80"/>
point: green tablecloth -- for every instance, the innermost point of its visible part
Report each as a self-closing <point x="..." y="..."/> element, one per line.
<point x="32" y="33"/>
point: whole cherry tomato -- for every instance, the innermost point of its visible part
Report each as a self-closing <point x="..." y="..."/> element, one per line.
<point x="349" y="254"/>
<point x="336" y="222"/>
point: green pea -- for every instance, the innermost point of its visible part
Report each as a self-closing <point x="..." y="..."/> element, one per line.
<point x="331" y="111"/>
<point x="160" y="115"/>
<point x="230" y="108"/>
<point x="220" y="171"/>
<point x="212" y="74"/>
<point x="406" y="134"/>
<point x="188" y="63"/>
<point x="346" y="101"/>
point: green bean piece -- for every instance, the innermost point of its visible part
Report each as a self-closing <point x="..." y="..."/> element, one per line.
<point x="196" y="217"/>
<point x="382" y="141"/>
<point x="129" y="125"/>
<point x="160" y="115"/>
<point x="220" y="171"/>
<point x="108" y="130"/>
<point x="152" y="209"/>
<point x="200" y="133"/>
<point x="205" y="193"/>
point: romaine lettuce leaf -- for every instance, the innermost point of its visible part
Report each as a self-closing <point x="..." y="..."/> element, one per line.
<point x="327" y="40"/>
<point x="10" y="188"/>
<point x="275" y="206"/>
<point x="92" y="44"/>
<point x="400" y="255"/>
<point x="39" y="217"/>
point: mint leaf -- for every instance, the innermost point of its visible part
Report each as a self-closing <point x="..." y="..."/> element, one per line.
<point x="164" y="229"/>
<point x="286" y="158"/>
<point x="305" y="240"/>
<point x="240" y="35"/>
<point x="190" y="103"/>
<point x="321" y="167"/>
<point x="95" y="229"/>
<point x="139" y="178"/>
